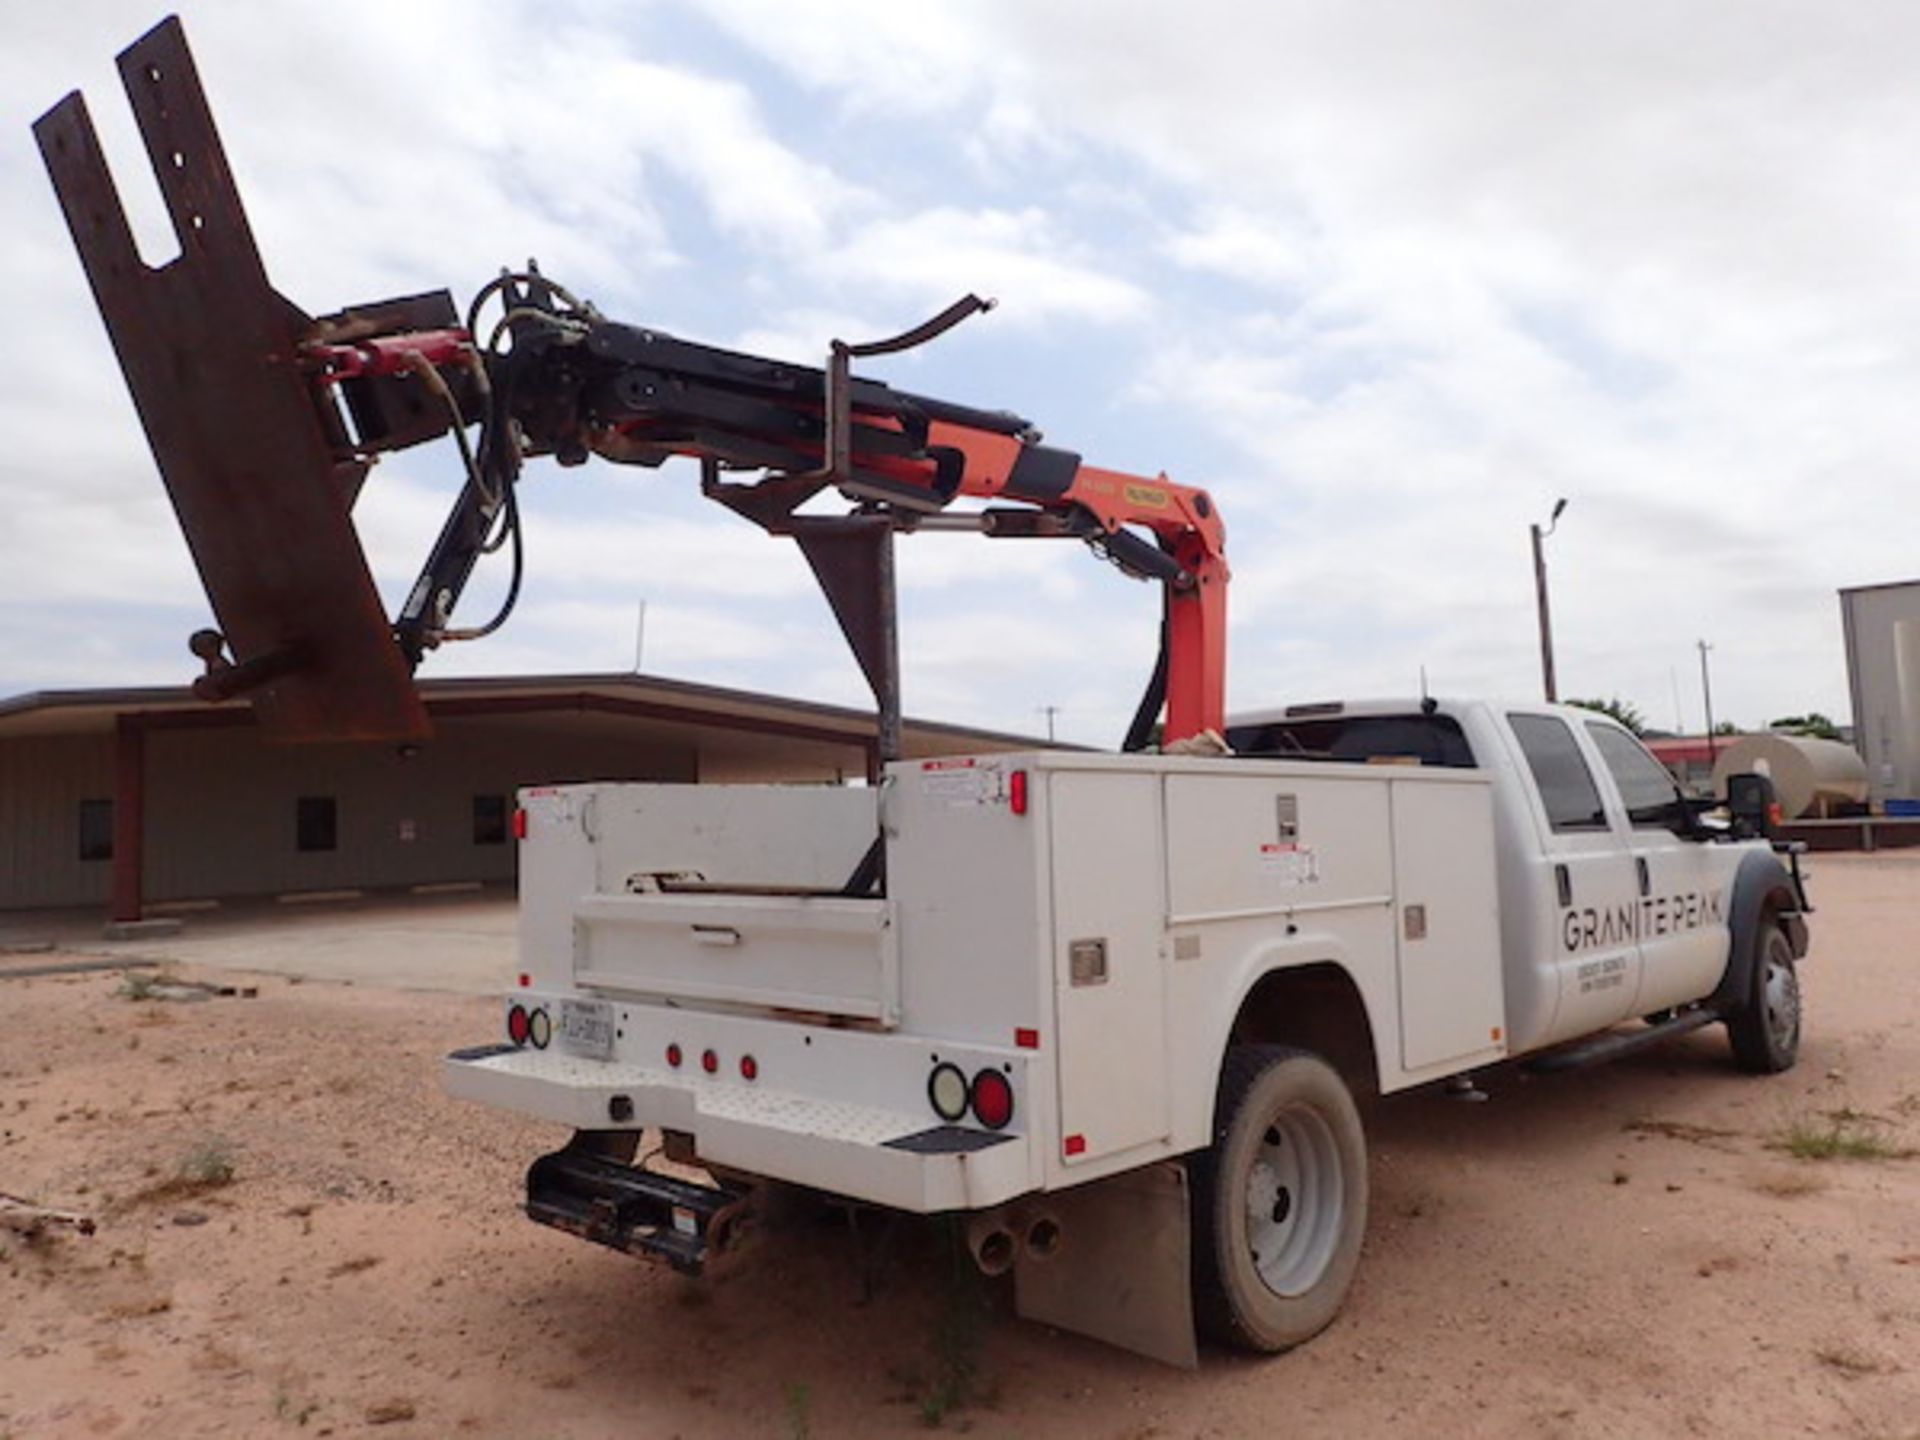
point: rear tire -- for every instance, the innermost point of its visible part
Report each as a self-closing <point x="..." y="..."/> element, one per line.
<point x="1765" y="1031"/>
<point x="1279" y="1201"/>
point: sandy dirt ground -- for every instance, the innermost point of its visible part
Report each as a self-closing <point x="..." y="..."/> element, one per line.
<point x="1619" y="1252"/>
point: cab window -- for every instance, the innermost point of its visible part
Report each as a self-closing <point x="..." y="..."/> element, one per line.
<point x="1646" y="789"/>
<point x="1425" y="739"/>
<point x="1560" y="772"/>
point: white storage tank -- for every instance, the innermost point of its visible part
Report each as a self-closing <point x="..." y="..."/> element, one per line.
<point x="1810" y="776"/>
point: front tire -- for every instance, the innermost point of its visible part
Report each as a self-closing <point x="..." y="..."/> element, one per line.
<point x="1765" y="1031"/>
<point x="1279" y="1201"/>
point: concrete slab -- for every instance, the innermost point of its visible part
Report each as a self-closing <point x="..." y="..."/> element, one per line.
<point x="155" y="929"/>
<point x="9" y="970"/>
<point x="463" y="943"/>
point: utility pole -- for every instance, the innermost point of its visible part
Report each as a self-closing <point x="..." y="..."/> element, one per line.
<point x="1706" y="693"/>
<point x="1049" y="711"/>
<point x="1540" y="596"/>
<point x="639" y="636"/>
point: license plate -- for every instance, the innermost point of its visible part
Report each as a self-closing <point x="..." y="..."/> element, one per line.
<point x="586" y="1027"/>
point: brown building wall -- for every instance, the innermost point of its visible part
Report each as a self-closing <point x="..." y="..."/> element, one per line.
<point x="190" y="804"/>
<point x="221" y="806"/>
<point x="43" y="779"/>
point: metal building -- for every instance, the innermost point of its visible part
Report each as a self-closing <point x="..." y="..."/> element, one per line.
<point x="131" y="798"/>
<point x="1882" y="624"/>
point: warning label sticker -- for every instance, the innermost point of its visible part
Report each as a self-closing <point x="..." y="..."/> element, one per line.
<point x="963" y="783"/>
<point x="1291" y="864"/>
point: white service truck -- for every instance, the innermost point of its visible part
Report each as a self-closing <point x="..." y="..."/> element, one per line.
<point x="1115" y="1009"/>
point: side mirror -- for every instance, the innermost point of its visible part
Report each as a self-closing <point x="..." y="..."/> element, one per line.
<point x="1754" y="805"/>
<point x="1685" y="813"/>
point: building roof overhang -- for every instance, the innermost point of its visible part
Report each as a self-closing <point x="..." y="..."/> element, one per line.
<point x="98" y="711"/>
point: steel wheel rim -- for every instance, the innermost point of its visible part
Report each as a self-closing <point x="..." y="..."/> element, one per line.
<point x="1295" y="1202"/>
<point x="1780" y="996"/>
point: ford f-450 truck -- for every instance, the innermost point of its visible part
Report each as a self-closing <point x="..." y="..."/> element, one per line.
<point x="1114" y="1009"/>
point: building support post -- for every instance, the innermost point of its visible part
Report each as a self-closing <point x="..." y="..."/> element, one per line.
<point x="129" y="816"/>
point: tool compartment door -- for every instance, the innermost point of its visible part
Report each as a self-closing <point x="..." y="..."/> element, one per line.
<point x="1447" y="922"/>
<point x="727" y="893"/>
<point x="1109" y="973"/>
<point x="822" y="955"/>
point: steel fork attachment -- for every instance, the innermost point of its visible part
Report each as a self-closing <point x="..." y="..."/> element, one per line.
<point x="261" y="476"/>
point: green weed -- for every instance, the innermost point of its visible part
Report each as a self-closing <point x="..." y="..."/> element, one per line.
<point x="952" y="1382"/>
<point x="1843" y="1134"/>
<point x="799" y="1412"/>
<point x="140" y="984"/>
<point x="208" y="1165"/>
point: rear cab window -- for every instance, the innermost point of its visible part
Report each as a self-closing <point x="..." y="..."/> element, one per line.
<point x="1407" y="739"/>
<point x="1560" y="774"/>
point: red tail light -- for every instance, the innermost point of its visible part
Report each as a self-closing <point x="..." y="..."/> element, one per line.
<point x="519" y="824"/>
<point x="992" y="1098"/>
<point x="518" y="1024"/>
<point x="1017" y="792"/>
<point x="749" y="1068"/>
<point x="674" y="1056"/>
<point x="709" y="1062"/>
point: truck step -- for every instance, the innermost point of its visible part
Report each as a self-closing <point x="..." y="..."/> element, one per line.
<point x="1615" y="1043"/>
<point x="629" y="1209"/>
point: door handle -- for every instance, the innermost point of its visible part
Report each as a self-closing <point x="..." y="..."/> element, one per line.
<point x="1563" y="882"/>
<point x="1646" y="879"/>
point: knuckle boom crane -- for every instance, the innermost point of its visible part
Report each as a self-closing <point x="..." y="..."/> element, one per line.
<point x="264" y="421"/>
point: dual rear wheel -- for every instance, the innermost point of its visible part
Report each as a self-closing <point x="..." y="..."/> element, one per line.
<point x="1279" y="1200"/>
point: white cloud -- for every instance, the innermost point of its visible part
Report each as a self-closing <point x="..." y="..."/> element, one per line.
<point x="1022" y="258"/>
<point x="1245" y="248"/>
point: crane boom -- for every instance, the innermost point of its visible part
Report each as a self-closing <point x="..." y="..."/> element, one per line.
<point x="264" y="421"/>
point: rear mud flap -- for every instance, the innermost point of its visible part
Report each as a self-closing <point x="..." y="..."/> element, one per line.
<point x="1122" y="1271"/>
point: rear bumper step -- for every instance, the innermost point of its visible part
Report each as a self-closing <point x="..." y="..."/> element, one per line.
<point x="629" y="1209"/>
<point x="773" y="1127"/>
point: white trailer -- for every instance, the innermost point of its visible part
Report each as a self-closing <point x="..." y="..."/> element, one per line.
<point x="1115" y="1009"/>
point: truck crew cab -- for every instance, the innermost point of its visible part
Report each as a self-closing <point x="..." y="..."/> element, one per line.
<point x="1115" y="1009"/>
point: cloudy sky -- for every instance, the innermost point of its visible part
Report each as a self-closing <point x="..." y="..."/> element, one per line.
<point x="1386" y="278"/>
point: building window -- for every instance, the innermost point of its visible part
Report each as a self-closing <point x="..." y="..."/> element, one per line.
<point x="316" y="823"/>
<point x="96" y="829"/>
<point x="489" y="819"/>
